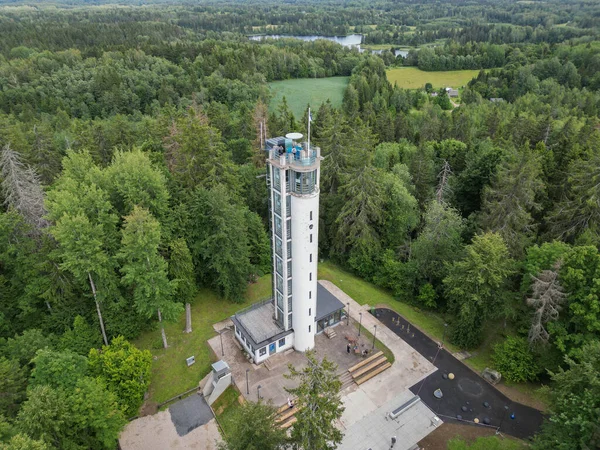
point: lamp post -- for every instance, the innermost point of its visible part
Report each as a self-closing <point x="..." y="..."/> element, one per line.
<point x="258" y="390"/>
<point x="359" y="322"/>
<point x="502" y="420"/>
<point x="444" y="335"/>
<point x="221" y="338"/>
<point x="374" y="336"/>
<point x="348" y="304"/>
<point x="247" y="384"/>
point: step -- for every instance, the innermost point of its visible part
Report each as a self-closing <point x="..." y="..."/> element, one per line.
<point x="370" y="375"/>
<point x="371" y="366"/>
<point x="288" y="423"/>
<point x="366" y="361"/>
<point x="284" y="416"/>
<point x="330" y="333"/>
<point x="268" y="364"/>
<point x="345" y="376"/>
<point x="347" y="384"/>
<point x="285" y="406"/>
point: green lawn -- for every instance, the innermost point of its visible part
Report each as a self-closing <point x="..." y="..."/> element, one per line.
<point x="364" y="292"/>
<point x="225" y="408"/>
<point x="303" y="91"/>
<point x="170" y="374"/>
<point x="413" y="78"/>
<point x="430" y="323"/>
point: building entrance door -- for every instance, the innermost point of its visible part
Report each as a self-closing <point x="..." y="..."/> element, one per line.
<point x="272" y="348"/>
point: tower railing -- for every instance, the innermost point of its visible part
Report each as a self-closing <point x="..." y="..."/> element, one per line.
<point x="299" y="156"/>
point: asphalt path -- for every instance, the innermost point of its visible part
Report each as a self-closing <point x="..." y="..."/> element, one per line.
<point x="467" y="393"/>
<point x="190" y="413"/>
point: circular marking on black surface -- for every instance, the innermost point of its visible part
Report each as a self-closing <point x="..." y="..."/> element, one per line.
<point x="470" y="387"/>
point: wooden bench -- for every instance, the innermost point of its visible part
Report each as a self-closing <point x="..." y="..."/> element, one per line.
<point x="365" y="362"/>
<point x="370" y="375"/>
<point x="289" y="423"/>
<point x="286" y="415"/>
<point x="371" y="366"/>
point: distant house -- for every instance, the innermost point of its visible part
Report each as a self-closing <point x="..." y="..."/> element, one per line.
<point x="496" y="100"/>
<point x="452" y="92"/>
<point x="434" y="94"/>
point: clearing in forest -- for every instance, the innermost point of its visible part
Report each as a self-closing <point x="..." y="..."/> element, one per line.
<point x="303" y="91"/>
<point x="413" y="78"/>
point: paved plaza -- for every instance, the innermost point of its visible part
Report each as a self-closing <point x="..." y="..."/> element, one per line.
<point x="364" y="422"/>
<point x="158" y="432"/>
<point x="270" y="376"/>
<point x="375" y="430"/>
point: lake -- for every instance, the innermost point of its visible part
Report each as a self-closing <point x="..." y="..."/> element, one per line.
<point x="352" y="40"/>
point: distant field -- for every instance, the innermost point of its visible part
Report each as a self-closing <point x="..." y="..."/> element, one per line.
<point x="413" y="78"/>
<point x="303" y="91"/>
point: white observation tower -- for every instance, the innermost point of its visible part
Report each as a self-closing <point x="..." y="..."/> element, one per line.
<point x="300" y="308"/>
<point x="293" y="171"/>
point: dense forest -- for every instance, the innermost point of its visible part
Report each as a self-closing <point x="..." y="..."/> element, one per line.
<point x="130" y="174"/>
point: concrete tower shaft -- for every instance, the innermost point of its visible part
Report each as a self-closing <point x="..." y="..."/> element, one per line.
<point x="293" y="170"/>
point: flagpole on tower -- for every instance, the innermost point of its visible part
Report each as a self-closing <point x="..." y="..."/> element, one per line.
<point x="309" y="121"/>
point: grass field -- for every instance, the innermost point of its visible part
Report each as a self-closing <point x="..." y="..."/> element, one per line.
<point x="413" y="78"/>
<point x="303" y="91"/>
<point x="225" y="408"/>
<point x="170" y="374"/>
<point x="365" y="293"/>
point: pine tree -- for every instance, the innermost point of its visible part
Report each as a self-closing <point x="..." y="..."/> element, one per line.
<point x="509" y="203"/>
<point x="319" y="405"/>
<point x="579" y="211"/>
<point x="254" y="428"/>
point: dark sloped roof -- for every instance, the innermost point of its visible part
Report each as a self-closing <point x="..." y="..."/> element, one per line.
<point x="327" y="303"/>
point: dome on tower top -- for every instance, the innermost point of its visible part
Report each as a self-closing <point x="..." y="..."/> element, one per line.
<point x="294" y="136"/>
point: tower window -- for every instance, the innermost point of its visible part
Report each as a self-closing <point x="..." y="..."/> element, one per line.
<point x="311" y="215"/>
<point x="309" y="312"/>
<point x="309" y="295"/>
<point x="311" y="237"/>
<point x="309" y="328"/>
<point x="310" y="276"/>
<point x="310" y="257"/>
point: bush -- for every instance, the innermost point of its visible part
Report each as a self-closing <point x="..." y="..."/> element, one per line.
<point x="514" y="360"/>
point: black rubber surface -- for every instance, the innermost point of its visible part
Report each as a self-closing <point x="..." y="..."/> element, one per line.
<point x="190" y="413"/>
<point x="467" y="389"/>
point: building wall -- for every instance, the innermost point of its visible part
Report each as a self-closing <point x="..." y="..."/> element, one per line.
<point x="305" y="237"/>
<point x="258" y="358"/>
<point x="289" y="342"/>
